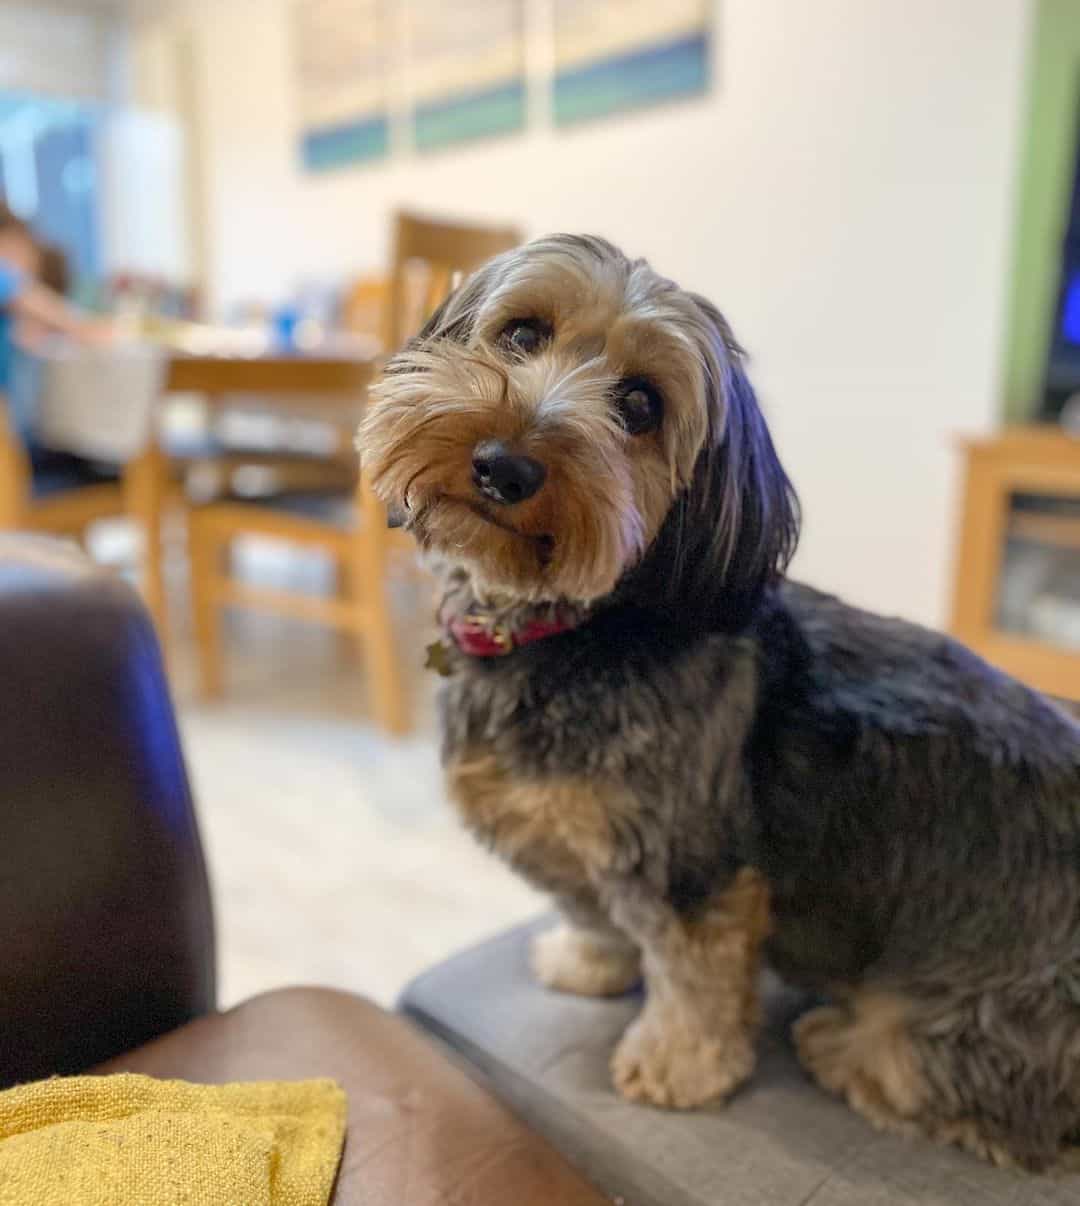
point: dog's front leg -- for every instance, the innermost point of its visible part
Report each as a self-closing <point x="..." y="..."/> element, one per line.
<point x="694" y="1040"/>
<point x="585" y="954"/>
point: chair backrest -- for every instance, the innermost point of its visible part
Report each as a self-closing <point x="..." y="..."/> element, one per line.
<point x="441" y="250"/>
<point x="364" y="305"/>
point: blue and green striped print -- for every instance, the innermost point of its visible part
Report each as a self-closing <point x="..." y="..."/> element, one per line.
<point x="499" y="110"/>
<point x="357" y="141"/>
<point x="629" y="81"/>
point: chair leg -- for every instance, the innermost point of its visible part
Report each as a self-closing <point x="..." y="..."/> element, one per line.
<point x="349" y="590"/>
<point x="14" y="475"/>
<point x="146" y="484"/>
<point x="204" y="554"/>
<point x="374" y="622"/>
<point x="383" y="667"/>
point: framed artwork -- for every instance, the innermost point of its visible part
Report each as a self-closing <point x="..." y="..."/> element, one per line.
<point x="615" y="55"/>
<point x="342" y="62"/>
<point x="467" y="70"/>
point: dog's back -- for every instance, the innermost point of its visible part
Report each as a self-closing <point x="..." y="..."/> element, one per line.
<point x="918" y="817"/>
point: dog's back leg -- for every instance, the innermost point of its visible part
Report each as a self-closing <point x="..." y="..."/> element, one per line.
<point x="863" y="1051"/>
<point x="992" y="1075"/>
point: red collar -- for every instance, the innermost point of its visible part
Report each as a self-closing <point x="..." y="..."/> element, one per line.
<point x="481" y="635"/>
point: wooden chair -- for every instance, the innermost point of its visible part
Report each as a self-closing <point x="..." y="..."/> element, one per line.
<point x="425" y="258"/>
<point x="350" y="530"/>
<point x="439" y="250"/>
<point x="355" y="537"/>
<point x="363" y="308"/>
<point x="64" y="501"/>
<point x="158" y="480"/>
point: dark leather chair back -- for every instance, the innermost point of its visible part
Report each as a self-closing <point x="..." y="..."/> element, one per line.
<point x="106" y="931"/>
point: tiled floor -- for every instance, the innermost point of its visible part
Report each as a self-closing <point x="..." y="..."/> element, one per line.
<point x="334" y="856"/>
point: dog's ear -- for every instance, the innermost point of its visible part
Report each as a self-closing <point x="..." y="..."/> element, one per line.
<point x="734" y="530"/>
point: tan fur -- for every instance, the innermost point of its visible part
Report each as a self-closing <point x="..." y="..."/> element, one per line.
<point x="694" y="1040"/>
<point x="607" y="493"/>
<point x="863" y="1053"/>
<point x="585" y="962"/>
<point x="968" y="1135"/>
<point x="558" y="833"/>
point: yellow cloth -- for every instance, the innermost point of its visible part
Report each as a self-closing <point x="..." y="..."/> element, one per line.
<point x="134" y="1141"/>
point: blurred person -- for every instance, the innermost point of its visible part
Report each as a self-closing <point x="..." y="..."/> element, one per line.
<point x="33" y="278"/>
<point x="24" y="295"/>
<point x="55" y="273"/>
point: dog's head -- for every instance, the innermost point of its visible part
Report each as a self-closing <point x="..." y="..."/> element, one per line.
<point x="570" y="424"/>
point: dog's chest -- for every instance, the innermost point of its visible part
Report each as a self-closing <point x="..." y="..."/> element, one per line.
<point x="559" y="831"/>
<point x="547" y="778"/>
<point x="579" y="769"/>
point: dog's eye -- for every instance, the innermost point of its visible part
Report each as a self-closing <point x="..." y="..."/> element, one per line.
<point x="640" y="406"/>
<point x="525" y="336"/>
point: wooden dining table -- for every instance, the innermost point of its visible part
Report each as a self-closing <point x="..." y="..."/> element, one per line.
<point x="329" y="389"/>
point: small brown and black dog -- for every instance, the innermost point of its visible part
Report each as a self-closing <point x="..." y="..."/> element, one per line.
<point x="706" y="764"/>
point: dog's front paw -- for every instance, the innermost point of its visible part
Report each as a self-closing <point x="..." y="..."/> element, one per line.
<point x="576" y="961"/>
<point x="678" y="1068"/>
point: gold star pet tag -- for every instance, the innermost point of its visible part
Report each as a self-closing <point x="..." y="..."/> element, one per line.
<point x="438" y="658"/>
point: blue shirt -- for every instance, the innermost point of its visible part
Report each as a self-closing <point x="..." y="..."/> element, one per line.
<point x="11" y="283"/>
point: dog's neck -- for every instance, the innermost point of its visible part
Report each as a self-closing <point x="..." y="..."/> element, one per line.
<point x="483" y="624"/>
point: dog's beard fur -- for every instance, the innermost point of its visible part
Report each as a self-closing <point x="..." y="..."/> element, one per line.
<point x="572" y="539"/>
<point x="609" y="497"/>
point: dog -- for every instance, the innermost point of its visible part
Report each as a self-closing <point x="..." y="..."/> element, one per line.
<point x="706" y="764"/>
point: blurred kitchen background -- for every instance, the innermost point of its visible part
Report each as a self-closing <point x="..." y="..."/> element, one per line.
<point x="267" y="195"/>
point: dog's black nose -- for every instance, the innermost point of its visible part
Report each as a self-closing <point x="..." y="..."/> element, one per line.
<point x="506" y="476"/>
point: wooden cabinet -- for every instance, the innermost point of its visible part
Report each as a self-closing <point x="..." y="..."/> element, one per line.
<point x="1016" y="592"/>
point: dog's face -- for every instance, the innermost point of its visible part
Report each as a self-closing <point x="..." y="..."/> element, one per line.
<point x="550" y="419"/>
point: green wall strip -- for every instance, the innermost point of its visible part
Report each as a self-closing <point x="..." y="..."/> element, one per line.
<point x="1046" y="168"/>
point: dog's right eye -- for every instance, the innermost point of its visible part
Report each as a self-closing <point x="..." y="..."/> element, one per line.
<point x="640" y="406"/>
<point x="525" y="336"/>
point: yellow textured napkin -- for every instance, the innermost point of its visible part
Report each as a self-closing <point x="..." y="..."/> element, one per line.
<point x="135" y="1141"/>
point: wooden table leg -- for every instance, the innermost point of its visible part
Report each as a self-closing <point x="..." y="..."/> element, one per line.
<point x="146" y="488"/>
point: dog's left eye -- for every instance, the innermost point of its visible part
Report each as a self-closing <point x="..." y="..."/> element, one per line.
<point x="640" y="406"/>
<point x="525" y="336"/>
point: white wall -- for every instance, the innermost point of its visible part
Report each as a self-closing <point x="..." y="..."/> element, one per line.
<point x="844" y="194"/>
<point x="56" y="50"/>
<point x="145" y="218"/>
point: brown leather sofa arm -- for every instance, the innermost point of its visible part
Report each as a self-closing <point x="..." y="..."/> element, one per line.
<point x="106" y="932"/>
<point x="419" y="1130"/>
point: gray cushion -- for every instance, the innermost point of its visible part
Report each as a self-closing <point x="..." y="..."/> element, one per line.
<point x="779" y="1142"/>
